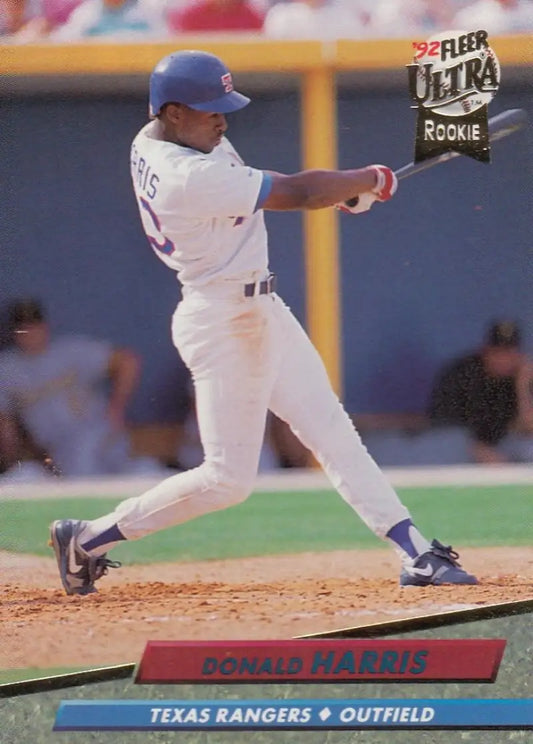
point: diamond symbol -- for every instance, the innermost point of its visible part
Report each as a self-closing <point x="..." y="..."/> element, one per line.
<point x="324" y="714"/>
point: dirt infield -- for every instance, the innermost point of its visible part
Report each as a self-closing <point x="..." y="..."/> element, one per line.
<point x="273" y="597"/>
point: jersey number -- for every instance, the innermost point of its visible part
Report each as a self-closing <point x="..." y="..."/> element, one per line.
<point x="159" y="242"/>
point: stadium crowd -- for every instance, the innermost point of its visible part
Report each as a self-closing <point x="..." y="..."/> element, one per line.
<point x="63" y="21"/>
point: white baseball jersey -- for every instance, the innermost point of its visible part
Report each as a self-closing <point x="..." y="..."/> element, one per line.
<point x="200" y="211"/>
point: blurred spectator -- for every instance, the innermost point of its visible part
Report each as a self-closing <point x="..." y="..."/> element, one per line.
<point x="291" y="453"/>
<point x="496" y="16"/>
<point x="112" y="19"/>
<point x="415" y="19"/>
<point x="190" y="452"/>
<point x="314" y="19"/>
<point x="15" y="16"/>
<point x="281" y="448"/>
<point x="215" y="15"/>
<point x="57" y="12"/>
<point x="54" y="401"/>
<point x="490" y="392"/>
<point x="26" y="21"/>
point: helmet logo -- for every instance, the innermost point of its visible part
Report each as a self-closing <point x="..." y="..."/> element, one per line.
<point x="227" y="82"/>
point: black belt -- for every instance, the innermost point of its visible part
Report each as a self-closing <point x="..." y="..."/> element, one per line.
<point x="259" y="288"/>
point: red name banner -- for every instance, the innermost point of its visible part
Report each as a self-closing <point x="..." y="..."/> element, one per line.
<point x="320" y="660"/>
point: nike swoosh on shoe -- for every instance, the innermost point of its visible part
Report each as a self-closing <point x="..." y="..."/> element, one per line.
<point x="426" y="571"/>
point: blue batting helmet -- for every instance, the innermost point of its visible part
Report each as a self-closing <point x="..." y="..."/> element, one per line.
<point x="197" y="79"/>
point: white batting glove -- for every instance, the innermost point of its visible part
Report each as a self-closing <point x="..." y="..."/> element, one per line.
<point x="386" y="182"/>
<point x="385" y="188"/>
<point x="358" y="204"/>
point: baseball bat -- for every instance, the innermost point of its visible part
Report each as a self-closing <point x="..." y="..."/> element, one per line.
<point x="501" y="125"/>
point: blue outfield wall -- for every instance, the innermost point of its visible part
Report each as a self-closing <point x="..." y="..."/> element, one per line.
<point x="425" y="273"/>
<point x="421" y="276"/>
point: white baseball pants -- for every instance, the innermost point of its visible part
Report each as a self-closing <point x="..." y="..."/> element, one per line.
<point x="248" y="355"/>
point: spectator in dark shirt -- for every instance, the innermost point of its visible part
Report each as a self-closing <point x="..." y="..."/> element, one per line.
<point x="490" y="392"/>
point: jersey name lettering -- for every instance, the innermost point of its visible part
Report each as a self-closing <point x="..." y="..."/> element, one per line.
<point x="143" y="175"/>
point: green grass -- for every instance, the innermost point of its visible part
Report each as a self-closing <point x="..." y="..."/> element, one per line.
<point x="280" y="523"/>
<point x="7" y="676"/>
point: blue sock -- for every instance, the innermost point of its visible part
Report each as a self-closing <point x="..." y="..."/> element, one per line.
<point x="408" y="538"/>
<point x="112" y="535"/>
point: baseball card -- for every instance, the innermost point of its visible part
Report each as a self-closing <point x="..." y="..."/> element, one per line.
<point x="266" y="387"/>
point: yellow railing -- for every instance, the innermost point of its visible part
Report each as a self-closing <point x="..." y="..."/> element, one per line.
<point x="242" y="53"/>
<point x="316" y="63"/>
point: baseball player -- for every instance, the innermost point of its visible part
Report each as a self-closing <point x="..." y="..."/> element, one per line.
<point x="202" y="211"/>
<point x="69" y="394"/>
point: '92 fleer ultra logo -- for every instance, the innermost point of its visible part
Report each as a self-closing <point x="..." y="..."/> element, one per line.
<point x="452" y="79"/>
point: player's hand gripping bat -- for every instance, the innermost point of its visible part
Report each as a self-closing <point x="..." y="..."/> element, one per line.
<point x="501" y="125"/>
